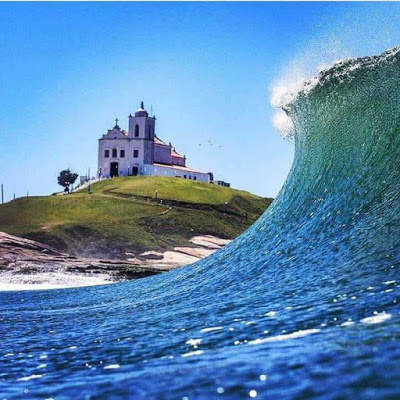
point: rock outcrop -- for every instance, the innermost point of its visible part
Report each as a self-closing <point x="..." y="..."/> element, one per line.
<point x="25" y="262"/>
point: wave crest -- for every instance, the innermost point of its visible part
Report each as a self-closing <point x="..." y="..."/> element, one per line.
<point x="286" y="91"/>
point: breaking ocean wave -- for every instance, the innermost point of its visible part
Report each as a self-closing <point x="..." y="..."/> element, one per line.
<point x="304" y="304"/>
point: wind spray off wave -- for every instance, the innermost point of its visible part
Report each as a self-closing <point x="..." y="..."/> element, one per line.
<point x="304" y="304"/>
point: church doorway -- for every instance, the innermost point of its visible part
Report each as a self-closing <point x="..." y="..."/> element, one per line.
<point x="135" y="171"/>
<point x="113" y="169"/>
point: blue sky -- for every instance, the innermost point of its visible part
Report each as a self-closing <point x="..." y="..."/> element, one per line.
<point x="69" y="69"/>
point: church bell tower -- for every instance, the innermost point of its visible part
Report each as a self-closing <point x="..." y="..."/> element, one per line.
<point x="141" y="132"/>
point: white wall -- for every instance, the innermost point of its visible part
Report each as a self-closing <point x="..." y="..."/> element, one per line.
<point x="123" y="162"/>
<point x="160" y="170"/>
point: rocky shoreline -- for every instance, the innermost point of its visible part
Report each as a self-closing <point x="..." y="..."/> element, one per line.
<point x="24" y="263"/>
<point x="202" y="246"/>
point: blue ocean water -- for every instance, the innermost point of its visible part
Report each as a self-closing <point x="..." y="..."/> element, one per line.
<point x="305" y="304"/>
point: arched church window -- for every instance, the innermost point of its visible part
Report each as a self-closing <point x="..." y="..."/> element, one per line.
<point x="114" y="153"/>
<point x="137" y="130"/>
<point x="106" y="153"/>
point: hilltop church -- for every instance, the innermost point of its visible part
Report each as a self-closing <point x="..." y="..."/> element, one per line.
<point x="140" y="152"/>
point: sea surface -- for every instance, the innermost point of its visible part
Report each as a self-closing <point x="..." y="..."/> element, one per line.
<point x="303" y="305"/>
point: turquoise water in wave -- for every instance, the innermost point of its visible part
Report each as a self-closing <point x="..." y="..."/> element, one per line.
<point x="303" y="305"/>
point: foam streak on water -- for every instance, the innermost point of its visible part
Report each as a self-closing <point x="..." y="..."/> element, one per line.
<point x="302" y="305"/>
<point x="10" y="281"/>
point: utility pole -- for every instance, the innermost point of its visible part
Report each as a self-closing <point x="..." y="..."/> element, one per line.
<point x="89" y="189"/>
<point x="2" y="194"/>
<point x="14" y="196"/>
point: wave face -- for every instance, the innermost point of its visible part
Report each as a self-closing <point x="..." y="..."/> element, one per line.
<point x="302" y="305"/>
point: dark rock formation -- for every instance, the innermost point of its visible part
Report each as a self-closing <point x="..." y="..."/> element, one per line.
<point x="24" y="257"/>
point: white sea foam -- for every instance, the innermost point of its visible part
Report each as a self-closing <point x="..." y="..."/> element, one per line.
<point x="30" y="377"/>
<point x="49" y="280"/>
<point x="289" y="336"/>
<point x="376" y="319"/>
<point x="347" y="323"/>
<point x="193" y="342"/>
<point x="112" y="366"/>
<point x="298" y="78"/>
<point x="270" y="314"/>
<point x="193" y="353"/>
<point x="214" y="328"/>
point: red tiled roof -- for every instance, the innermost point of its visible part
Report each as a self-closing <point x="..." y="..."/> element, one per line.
<point x="174" y="153"/>
<point x="157" y="140"/>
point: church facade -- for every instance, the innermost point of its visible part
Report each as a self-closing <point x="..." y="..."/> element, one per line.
<point x="140" y="152"/>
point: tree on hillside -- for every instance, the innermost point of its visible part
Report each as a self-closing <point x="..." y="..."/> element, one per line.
<point x="67" y="178"/>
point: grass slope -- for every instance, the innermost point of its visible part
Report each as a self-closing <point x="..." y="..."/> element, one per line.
<point x="121" y="215"/>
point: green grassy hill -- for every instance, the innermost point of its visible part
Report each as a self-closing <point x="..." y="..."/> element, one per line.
<point x="121" y="215"/>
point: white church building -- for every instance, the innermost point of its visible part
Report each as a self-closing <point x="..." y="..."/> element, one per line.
<point x="140" y="152"/>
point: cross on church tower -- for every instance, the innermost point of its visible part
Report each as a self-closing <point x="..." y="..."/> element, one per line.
<point x="116" y="121"/>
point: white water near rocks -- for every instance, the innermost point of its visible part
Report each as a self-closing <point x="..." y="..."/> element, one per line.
<point x="49" y="280"/>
